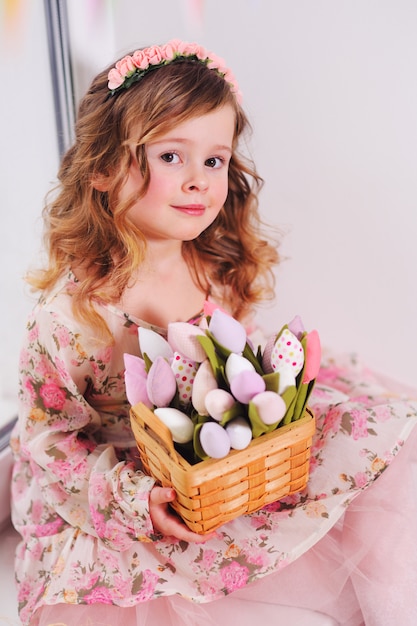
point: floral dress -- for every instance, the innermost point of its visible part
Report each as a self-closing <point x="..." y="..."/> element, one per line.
<point x="80" y="501"/>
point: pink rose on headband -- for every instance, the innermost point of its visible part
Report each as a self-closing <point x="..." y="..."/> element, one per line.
<point x="140" y="60"/>
<point x="217" y="63"/>
<point x="131" y="68"/>
<point x="229" y="77"/>
<point x="190" y="49"/>
<point x="154" y="55"/>
<point x="125" y="66"/>
<point x="115" y="79"/>
<point x="168" y="51"/>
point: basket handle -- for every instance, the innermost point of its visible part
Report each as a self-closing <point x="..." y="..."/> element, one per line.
<point x="155" y="427"/>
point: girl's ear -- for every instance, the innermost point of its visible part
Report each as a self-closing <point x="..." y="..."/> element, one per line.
<point x="100" y="182"/>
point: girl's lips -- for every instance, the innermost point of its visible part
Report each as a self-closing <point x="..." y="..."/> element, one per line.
<point x="191" y="209"/>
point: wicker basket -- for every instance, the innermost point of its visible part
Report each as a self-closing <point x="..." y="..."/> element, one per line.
<point x="215" y="491"/>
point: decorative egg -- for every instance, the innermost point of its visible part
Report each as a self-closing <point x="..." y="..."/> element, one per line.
<point x="135" y="380"/>
<point x="204" y="382"/>
<point x="152" y="344"/>
<point x="180" y="425"/>
<point x="182" y="337"/>
<point x="227" y="331"/>
<point x="235" y="364"/>
<point x="184" y="371"/>
<point x="214" y="440"/>
<point x="246" y="385"/>
<point x="217" y="402"/>
<point x="287" y="351"/>
<point x="240" y="433"/>
<point x="270" y="407"/>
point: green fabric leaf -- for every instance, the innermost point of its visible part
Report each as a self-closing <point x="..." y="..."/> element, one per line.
<point x="271" y="381"/>
<point x="249" y="355"/>
<point x="289" y="396"/>
<point x="258" y="426"/>
<point x="148" y="363"/>
<point x="198" y="449"/>
<point x="302" y="398"/>
<point x="217" y="364"/>
<point x="221" y="350"/>
<point x="237" y="410"/>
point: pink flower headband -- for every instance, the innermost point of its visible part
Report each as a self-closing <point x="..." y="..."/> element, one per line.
<point x="133" y="67"/>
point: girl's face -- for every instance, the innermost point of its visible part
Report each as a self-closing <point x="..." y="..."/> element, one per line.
<point x="188" y="178"/>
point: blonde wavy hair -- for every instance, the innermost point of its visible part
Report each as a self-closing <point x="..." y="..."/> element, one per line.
<point x="90" y="227"/>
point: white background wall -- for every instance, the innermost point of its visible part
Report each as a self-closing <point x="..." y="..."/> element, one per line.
<point x="28" y="162"/>
<point x="329" y="86"/>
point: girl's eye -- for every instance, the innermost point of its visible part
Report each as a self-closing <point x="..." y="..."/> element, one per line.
<point x="214" y="162"/>
<point x="170" y="157"/>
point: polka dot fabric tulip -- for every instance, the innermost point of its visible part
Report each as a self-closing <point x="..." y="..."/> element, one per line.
<point x="206" y="379"/>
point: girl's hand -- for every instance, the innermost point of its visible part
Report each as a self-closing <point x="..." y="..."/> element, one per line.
<point x="166" y="521"/>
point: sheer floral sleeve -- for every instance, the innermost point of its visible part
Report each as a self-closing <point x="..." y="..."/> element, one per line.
<point x="75" y="438"/>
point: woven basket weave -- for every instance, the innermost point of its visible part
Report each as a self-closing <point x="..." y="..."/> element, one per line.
<point x="213" y="492"/>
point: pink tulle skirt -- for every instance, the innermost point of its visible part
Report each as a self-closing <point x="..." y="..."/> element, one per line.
<point x="362" y="571"/>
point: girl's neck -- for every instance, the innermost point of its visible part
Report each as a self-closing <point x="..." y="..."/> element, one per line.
<point x="161" y="257"/>
<point x="163" y="290"/>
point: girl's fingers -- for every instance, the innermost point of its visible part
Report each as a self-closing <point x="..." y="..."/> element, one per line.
<point x="167" y="522"/>
<point x="162" y="495"/>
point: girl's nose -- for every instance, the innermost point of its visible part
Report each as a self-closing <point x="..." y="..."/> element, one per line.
<point x="196" y="180"/>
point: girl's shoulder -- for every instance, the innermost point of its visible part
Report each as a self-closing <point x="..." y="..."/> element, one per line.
<point x="57" y="306"/>
<point x="60" y="294"/>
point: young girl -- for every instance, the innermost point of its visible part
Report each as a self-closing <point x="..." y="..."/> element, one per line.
<point x="155" y="213"/>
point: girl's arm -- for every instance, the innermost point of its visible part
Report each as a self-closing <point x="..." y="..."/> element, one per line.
<point x="76" y="477"/>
